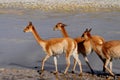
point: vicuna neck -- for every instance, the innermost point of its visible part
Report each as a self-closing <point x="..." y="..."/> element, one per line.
<point x="37" y="37"/>
<point x="64" y="32"/>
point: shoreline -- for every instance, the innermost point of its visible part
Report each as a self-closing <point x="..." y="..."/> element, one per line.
<point x="32" y="74"/>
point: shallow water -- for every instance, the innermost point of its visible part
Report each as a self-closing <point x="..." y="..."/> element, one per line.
<point x="20" y="49"/>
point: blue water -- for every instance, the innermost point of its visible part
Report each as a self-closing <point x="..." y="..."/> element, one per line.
<point x="19" y="49"/>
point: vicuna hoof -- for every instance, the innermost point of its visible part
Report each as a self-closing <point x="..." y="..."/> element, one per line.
<point x="35" y="67"/>
<point x="73" y="72"/>
<point x="93" y="73"/>
<point x="55" y="72"/>
<point x="64" y="73"/>
<point x="80" y="74"/>
<point x="40" y="71"/>
<point x="112" y="74"/>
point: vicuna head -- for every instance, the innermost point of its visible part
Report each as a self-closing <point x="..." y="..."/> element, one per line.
<point x="86" y="34"/>
<point x="29" y="27"/>
<point x="59" y="26"/>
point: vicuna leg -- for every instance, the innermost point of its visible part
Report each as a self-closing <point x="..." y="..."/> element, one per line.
<point x="74" y="66"/>
<point x="103" y="60"/>
<point x="75" y="55"/>
<point x="55" y="62"/>
<point x="86" y="59"/>
<point x="103" y="65"/>
<point x="106" y="64"/>
<point x="43" y="61"/>
<point x="111" y="64"/>
<point x="68" y="64"/>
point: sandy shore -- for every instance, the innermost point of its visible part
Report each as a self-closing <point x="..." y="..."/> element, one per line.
<point x="30" y="74"/>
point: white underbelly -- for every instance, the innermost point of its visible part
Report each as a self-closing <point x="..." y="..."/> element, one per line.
<point x="57" y="50"/>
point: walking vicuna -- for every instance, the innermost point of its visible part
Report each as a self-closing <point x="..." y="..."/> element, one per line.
<point x="84" y="46"/>
<point x="107" y="51"/>
<point x="56" y="46"/>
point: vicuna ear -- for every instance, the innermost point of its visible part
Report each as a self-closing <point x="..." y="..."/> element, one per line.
<point x="64" y="25"/>
<point x="30" y="23"/>
<point x="90" y="30"/>
<point x="86" y="30"/>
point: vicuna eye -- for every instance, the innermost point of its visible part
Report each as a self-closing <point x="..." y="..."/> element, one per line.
<point x="82" y="35"/>
<point x="27" y="27"/>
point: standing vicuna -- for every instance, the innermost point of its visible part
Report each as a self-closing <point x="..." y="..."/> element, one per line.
<point x="107" y="51"/>
<point x="84" y="46"/>
<point x="56" y="46"/>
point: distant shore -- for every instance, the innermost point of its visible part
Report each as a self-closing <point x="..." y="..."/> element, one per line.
<point x="30" y="74"/>
<point x="63" y="5"/>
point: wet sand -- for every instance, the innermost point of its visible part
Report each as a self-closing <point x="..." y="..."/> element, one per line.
<point x="31" y="74"/>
